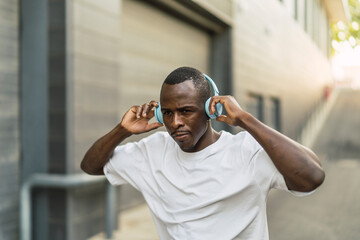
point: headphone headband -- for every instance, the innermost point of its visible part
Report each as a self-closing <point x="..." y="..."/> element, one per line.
<point x="213" y="85"/>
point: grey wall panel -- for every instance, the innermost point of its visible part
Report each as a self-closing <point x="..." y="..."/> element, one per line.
<point x="9" y="119"/>
<point x="94" y="43"/>
<point x="57" y="87"/>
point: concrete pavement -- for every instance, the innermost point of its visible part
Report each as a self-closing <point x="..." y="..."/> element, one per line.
<point x="331" y="213"/>
<point x="135" y="224"/>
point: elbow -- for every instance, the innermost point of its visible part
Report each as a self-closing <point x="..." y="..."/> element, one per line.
<point x="84" y="167"/>
<point x="314" y="176"/>
<point x="318" y="179"/>
<point x="307" y="183"/>
<point x="314" y="181"/>
<point x="87" y="169"/>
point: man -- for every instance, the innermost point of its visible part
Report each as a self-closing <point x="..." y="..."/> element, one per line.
<point x="200" y="183"/>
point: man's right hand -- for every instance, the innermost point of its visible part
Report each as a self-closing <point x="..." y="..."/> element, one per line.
<point x="136" y="119"/>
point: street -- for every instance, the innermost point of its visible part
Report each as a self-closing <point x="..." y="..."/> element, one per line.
<point x="333" y="211"/>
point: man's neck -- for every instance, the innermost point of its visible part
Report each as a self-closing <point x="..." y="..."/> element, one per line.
<point x="209" y="137"/>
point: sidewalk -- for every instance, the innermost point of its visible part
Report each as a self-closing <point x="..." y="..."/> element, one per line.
<point x="135" y="224"/>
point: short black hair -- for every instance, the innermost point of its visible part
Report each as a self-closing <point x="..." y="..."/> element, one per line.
<point x="182" y="74"/>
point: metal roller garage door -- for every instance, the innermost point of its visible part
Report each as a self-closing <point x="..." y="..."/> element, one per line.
<point x="153" y="43"/>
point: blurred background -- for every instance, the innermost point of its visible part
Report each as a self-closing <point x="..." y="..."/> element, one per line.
<point x="69" y="70"/>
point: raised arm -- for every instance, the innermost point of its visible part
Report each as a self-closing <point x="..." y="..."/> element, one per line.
<point x="135" y="121"/>
<point x="300" y="166"/>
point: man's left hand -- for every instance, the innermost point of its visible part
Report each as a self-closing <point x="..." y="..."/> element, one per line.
<point x="234" y="113"/>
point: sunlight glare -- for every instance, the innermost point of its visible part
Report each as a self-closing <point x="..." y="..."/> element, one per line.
<point x="355" y="25"/>
<point x="341" y="25"/>
<point x="341" y="35"/>
<point x="348" y="56"/>
<point x="352" y="41"/>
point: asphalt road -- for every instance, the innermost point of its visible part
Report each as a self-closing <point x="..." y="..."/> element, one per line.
<point x="333" y="211"/>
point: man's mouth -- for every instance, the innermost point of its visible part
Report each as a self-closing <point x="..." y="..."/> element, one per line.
<point x="180" y="135"/>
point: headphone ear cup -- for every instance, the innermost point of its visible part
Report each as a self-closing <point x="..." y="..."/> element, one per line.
<point x="207" y="110"/>
<point x="158" y="114"/>
<point x="218" y="109"/>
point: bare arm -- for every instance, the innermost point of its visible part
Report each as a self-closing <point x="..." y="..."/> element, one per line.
<point x="135" y="121"/>
<point x="300" y="166"/>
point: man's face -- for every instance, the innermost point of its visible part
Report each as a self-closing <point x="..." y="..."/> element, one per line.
<point x="184" y="115"/>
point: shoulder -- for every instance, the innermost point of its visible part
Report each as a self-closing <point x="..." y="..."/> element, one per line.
<point x="248" y="140"/>
<point x="243" y="143"/>
<point x="149" y="145"/>
<point x="159" y="137"/>
<point x="243" y="138"/>
<point x="154" y="140"/>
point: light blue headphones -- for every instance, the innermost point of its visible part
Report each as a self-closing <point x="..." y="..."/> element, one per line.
<point x="218" y="106"/>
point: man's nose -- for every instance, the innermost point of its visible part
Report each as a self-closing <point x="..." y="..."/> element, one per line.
<point x="177" y="121"/>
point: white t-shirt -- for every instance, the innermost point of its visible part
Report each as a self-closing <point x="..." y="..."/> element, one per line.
<point x="217" y="193"/>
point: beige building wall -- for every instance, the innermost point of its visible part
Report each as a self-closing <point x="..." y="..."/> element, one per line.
<point x="274" y="57"/>
<point x="93" y="73"/>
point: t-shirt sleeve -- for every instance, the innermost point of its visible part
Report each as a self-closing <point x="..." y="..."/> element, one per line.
<point x="266" y="173"/>
<point x="126" y="165"/>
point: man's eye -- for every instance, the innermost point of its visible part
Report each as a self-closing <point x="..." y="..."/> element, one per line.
<point x="166" y="112"/>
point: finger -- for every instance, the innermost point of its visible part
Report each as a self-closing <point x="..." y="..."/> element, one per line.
<point x="211" y="106"/>
<point x="151" y="114"/>
<point x="148" y="108"/>
<point x="223" y="118"/>
<point x="138" y="111"/>
<point x="133" y="109"/>
<point x="151" y="111"/>
<point x="145" y="110"/>
<point x="153" y="103"/>
<point x="214" y="100"/>
<point x="153" y="126"/>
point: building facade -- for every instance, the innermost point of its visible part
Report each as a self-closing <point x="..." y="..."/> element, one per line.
<point x="71" y="68"/>
<point x="9" y="119"/>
